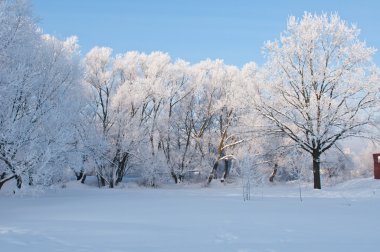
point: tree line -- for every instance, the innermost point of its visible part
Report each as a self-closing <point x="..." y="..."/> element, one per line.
<point x="111" y="115"/>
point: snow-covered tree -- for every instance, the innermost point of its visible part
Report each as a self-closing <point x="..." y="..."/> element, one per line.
<point x="175" y="124"/>
<point x="103" y="83"/>
<point x="39" y="90"/>
<point x="218" y="87"/>
<point x="319" y="84"/>
<point x="140" y="102"/>
<point x="132" y="95"/>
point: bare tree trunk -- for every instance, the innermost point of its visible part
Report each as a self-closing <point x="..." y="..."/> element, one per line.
<point x="30" y="176"/>
<point x="227" y="168"/>
<point x="174" y="176"/>
<point x="122" y="164"/>
<point x="2" y="182"/>
<point x="271" y="178"/>
<point x="101" y="181"/>
<point x="316" y="169"/>
<point x="83" y="178"/>
<point x="18" y="181"/>
<point x="79" y="175"/>
<point x="213" y="174"/>
<point x="17" y="177"/>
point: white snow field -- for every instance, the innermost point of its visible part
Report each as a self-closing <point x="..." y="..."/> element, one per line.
<point x="345" y="218"/>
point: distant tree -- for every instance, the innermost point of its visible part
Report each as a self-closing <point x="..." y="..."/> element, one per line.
<point x="216" y="114"/>
<point x="107" y="151"/>
<point x="132" y="97"/>
<point x="140" y="104"/>
<point x="319" y="84"/>
<point x="175" y="128"/>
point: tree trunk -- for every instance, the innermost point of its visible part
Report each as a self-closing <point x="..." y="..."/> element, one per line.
<point x="174" y="176"/>
<point x="2" y="182"/>
<point x="101" y="181"/>
<point x="83" y="178"/>
<point x="227" y="168"/>
<point x="18" y="181"/>
<point x="316" y="169"/>
<point x="31" y="181"/>
<point x="78" y="175"/>
<point x="120" y="172"/>
<point x="271" y="178"/>
<point x="213" y="172"/>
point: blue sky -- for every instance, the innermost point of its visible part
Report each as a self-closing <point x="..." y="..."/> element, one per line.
<point x="233" y="30"/>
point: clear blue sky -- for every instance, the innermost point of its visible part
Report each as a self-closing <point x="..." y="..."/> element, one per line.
<point x="233" y="30"/>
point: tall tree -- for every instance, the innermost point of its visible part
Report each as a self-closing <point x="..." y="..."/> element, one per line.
<point x="218" y="90"/>
<point x="101" y="77"/>
<point x="319" y="84"/>
<point x="39" y="77"/>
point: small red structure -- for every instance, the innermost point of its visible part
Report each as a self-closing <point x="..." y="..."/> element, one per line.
<point x="376" y="165"/>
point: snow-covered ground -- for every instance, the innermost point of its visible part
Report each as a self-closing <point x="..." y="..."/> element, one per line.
<point x="345" y="217"/>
